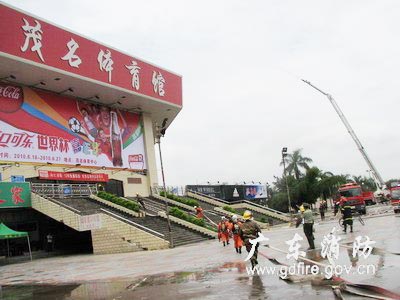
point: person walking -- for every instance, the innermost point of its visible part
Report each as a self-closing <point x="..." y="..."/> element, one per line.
<point x="322" y="210"/>
<point x="237" y="240"/>
<point x="223" y="232"/>
<point x="308" y="225"/>
<point x="347" y="217"/>
<point x="336" y="207"/>
<point x="199" y="212"/>
<point x="141" y="202"/>
<point x="49" y="239"/>
<point x="249" y="231"/>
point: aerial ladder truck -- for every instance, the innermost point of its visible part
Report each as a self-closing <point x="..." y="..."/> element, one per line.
<point x="380" y="184"/>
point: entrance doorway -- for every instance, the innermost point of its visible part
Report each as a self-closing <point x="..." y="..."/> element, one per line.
<point x="115" y="187"/>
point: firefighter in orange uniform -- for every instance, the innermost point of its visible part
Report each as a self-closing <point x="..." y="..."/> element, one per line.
<point x="199" y="212"/>
<point x="238" y="243"/>
<point x="223" y="231"/>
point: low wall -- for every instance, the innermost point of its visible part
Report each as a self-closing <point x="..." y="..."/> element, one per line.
<point x="118" y="207"/>
<point x="114" y="236"/>
<point x="118" y="237"/>
<point x="55" y="211"/>
<point x="205" y="199"/>
<point x="261" y="211"/>
<point x="175" y="203"/>
<point x="229" y="214"/>
<point x="188" y="224"/>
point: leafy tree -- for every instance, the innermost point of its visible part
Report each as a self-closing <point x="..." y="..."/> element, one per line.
<point x="279" y="202"/>
<point x="309" y="187"/>
<point x="295" y="161"/>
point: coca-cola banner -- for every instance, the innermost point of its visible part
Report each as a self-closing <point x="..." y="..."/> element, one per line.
<point x="43" y="127"/>
<point x="73" y="176"/>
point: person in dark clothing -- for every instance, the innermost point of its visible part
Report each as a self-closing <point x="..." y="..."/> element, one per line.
<point x="249" y="231"/>
<point x="308" y="225"/>
<point x="347" y="217"/>
<point x="336" y="208"/>
<point x="322" y="210"/>
<point x="49" y="244"/>
<point x="140" y="201"/>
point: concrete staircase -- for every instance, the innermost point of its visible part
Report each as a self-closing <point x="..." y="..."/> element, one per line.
<point x="84" y="207"/>
<point x="181" y="235"/>
<point x="273" y="216"/>
<point x="154" y="205"/>
<point x="109" y="235"/>
<point x="153" y="223"/>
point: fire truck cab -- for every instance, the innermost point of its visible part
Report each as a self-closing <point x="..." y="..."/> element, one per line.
<point x="355" y="197"/>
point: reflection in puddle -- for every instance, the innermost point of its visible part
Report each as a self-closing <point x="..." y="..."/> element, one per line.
<point x="163" y="286"/>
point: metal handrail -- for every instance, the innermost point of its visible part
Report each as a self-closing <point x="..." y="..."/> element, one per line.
<point x="59" y="190"/>
<point x="133" y="223"/>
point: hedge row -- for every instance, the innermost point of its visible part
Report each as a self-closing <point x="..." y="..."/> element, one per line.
<point x="176" y="212"/>
<point x="230" y="209"/>
<point x="233" y="211"/>
<point x="119" y="201"/>
<point x="262" y="220"/>
<point x="183" y="200"/>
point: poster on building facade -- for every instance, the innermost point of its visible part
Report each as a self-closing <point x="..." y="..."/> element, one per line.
<point x="43" y="127"/>
<point x="255" y="191"/>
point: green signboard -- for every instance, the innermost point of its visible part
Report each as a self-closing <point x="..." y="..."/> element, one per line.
<point x="13" y="194"/>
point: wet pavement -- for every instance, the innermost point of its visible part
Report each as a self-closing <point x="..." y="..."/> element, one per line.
<point x="203" y="271"/>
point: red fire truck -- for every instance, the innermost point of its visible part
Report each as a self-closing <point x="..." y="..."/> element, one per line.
<point x="356" y="197"/>
<point x="395" y="198"/>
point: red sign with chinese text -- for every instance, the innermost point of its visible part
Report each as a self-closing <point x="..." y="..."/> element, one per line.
<point x="52" y="175"/>
<point x="31" y="38"/>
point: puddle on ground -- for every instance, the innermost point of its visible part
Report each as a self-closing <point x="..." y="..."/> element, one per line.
<point x="212" y="283"/>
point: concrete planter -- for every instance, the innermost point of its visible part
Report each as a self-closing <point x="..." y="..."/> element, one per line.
<point x="116" y="206"/>
<point x="188" y="224"/>
<point x="229" y="214"/>
<point x="175" y="203"/>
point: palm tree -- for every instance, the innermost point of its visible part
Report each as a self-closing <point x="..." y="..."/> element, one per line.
<point x="295" y="161"/>
<point x="358" y="179"/>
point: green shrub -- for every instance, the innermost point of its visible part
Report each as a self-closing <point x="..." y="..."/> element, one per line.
<point x="183" y="200"/>
<point x="230" y="209"/>
<point x="178" y="213"/>
<point x="119" y="201"/>
<point x="262" y="220"/>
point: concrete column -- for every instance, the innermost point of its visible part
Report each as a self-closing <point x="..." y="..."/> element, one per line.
<point x="150" y="151"/>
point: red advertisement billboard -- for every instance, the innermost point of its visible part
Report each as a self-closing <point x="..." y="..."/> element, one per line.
<point x="30" y="38"/>
<point x="73" y="176"/>
<point x="43" y="127"/>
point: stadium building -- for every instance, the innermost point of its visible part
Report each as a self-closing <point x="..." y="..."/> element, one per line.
<point x="76" y="116"/>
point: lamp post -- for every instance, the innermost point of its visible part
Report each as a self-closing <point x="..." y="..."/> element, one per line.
<point x="159" y="134"/>
<point x="284" y="154"/>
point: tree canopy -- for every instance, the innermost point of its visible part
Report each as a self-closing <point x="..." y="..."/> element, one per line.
<point x="307" y="187"/>
<point x="294" y="161"/>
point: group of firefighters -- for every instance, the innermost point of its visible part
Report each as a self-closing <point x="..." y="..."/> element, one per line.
<point x="245" y="229"/>
<point x="242" y="231"/>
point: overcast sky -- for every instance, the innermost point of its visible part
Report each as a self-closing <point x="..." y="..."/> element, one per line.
<point x="241" y="63"/>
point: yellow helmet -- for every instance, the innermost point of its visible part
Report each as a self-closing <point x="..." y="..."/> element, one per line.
<point x="247" y="215"/>
<point x="302" y="208"/>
